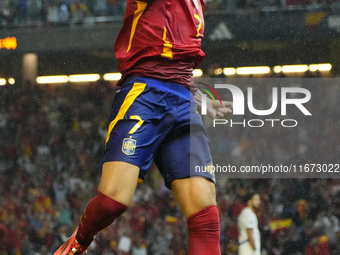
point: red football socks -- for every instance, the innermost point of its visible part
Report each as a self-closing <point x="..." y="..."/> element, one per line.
<point x="99" y="213"/>
<point x="204" y="232"/>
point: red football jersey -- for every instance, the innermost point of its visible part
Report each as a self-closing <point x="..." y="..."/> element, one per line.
<point x="161" y="39"/>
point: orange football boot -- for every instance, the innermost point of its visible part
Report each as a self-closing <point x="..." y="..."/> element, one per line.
<point x="71" y="246"/>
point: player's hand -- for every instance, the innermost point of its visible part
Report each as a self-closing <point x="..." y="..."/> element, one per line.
<point x="218" y="111"/>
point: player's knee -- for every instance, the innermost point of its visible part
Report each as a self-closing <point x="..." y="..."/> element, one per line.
<point x="119" y="181"/>
<point x="206" y="198"/>
<point x="209" y="200"/>
<point x="114" y="194"/>
<point x="199" y="205"/>
<point x="211" y="196"/>
<point x="108" y="191"/>
<point x="194" y="194"/>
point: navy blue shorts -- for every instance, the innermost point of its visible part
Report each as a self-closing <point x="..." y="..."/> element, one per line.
<point x="156" y="121"/>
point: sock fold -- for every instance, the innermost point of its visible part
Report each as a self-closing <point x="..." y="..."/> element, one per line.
<point x="204" y="232"/>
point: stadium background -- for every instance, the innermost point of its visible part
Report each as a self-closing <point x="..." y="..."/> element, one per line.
<point x="52" y="129"/>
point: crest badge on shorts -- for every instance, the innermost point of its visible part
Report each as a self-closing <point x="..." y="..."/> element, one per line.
<point x="129" y="146"/>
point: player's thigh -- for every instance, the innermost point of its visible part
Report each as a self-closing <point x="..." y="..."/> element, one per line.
<point x="119" y="180"/>
<point x="139" y="121"/>
<point x="177" y="158"/>
<point x="194" y="194"/>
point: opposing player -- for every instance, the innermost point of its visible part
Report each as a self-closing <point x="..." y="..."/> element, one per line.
<point x="249" y="234"/>
<point x="157" y="49"/>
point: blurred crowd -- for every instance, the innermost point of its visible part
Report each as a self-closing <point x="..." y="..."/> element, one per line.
<point x="64" y="12"/>
<point x="52" y="143"/>
<point x="53" y="12"/>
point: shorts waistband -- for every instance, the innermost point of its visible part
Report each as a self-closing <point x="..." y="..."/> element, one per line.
<point x="172" y="87"/>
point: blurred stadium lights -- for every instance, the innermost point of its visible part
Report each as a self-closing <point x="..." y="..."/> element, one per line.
<point x="112" y="76"/>
<point x="2" y="82"/>
<point x="277" y="69"/>
<point x="197" y="72"/>
<point x="302" y="68"/>
<point x="253" y="70"/>
<point x="324" y="67"/>
<point x="313" y="67"/>
<point x="11" y="81"/>
<point x="52" y="79"/>
<point x="218" y="71"/>
<point x="294" y="68"/>
<point x="229" y="71"/>
<point x="84" y="77"/>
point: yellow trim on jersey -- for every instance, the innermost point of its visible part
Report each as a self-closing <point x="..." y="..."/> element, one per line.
<point x="167" y="47"/>
<point x="199" y="25"/>
<point x="136" y="90"/>
<point x="141" y="6"/>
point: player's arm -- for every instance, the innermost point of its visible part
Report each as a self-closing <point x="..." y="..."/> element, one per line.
<point x="215" y="111"/>
<point x="251" y="240"/>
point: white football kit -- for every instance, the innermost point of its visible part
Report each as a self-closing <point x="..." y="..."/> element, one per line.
<point x="248" y="220"/>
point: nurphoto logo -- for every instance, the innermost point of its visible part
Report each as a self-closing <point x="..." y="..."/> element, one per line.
<point x="238" y="99"/>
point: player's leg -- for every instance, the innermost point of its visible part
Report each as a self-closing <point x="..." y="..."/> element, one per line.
<point x="132" y="137"/>
<point x="119" y="180"/>
<point x="184" y="148"/>
<point x="128" y="155"/>
<point x="195" y="194"/>
<point x="117" y="186"/>
<point x="196" y="197"/>
<point x="115" y="192"/>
